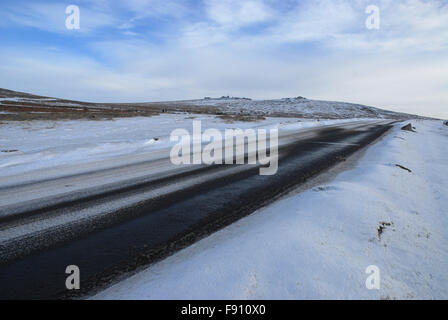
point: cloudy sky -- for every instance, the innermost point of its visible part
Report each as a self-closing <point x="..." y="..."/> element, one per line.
<point x="153" y="50"/>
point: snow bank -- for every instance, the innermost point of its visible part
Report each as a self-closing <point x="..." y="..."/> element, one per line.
<point x="318" y="244"/>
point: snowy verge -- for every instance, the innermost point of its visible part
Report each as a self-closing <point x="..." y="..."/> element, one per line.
<point x="318" y="244"/>
<point x="33" y="145"/>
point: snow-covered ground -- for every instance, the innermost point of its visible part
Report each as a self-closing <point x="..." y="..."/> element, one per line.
<point x="32" y="145"/>
<point x="19" y="99"/>
<point x="317" y="244"/>
<point x="297" y="106"/>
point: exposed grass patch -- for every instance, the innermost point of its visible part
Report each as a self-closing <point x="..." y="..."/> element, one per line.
<point x="29" y="113"/>
<point x="231" y="118"/>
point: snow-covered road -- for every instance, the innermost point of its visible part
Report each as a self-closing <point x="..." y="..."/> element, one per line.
<point x="117" y="229"/>
<point x="318" y="244"/>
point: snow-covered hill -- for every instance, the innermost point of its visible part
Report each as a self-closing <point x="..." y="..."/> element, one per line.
<point x="300" y="107"/>
<point x="287" y="107"/>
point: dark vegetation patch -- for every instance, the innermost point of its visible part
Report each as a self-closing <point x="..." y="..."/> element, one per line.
<point x="25" y="112"/>
<point x="231" y="118"/>
<point x="383" y="226"/>
<point x="324" y="188"/>
<point x="408" y="127"/>
<point x="404" y="168"/>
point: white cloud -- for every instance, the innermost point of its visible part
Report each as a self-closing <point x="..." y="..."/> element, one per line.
<point x="237" y="13"/>
<point x="62" y="75"/>
<point x="406" y="26"/>
<point x="146" y="9"/>
<point x="316" y="21"/>
<point x="402" y="66"/>
<point x="51" y="17"/>
<point x="405" y="84"/>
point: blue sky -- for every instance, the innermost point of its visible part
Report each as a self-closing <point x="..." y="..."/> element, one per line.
<point x="152" y="50"/>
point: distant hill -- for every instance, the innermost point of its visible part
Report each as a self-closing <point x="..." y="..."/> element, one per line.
<point x="287" y="107"/>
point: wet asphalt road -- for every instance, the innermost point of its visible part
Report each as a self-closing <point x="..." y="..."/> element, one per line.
<point x="112" y="246"/>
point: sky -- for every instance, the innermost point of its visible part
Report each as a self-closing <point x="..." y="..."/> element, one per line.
<point x="157" y="50"/>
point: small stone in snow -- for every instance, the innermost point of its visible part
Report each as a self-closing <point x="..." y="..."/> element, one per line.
<point x="408" y="127"/>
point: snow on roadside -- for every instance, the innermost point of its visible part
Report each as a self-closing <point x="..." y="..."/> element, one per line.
<point x="45" y="144"/>
<point x="318" y="244"/>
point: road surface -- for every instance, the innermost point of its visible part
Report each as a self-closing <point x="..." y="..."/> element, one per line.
<point x="115" y="217"/>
